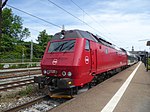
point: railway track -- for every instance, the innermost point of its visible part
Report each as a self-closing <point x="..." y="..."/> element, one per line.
<point x="14" y="84"/>
<point x="4" y="74"/>
<point x="18" y="75"/>
<point x="41" y="104"/>
<point x="18" y="70"/>
<point x="26" y="105"/>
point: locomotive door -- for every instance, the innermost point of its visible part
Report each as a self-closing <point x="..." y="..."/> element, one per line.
<point x="93" y="53"/>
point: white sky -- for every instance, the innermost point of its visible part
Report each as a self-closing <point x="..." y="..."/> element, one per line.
<point x="122" y="22"/>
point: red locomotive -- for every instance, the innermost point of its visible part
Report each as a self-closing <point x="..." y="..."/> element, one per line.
<point x="75" y="58"/>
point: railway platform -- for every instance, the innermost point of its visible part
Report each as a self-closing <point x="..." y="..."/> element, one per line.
<point x="127" y="91"/>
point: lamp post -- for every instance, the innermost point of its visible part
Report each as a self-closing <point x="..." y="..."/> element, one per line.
<point x="31" y="51"/>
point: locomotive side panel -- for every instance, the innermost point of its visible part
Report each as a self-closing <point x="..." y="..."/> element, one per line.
<point x="109" y="58"/>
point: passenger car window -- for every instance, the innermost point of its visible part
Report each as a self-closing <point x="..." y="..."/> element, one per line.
<point x="87" y="45"/>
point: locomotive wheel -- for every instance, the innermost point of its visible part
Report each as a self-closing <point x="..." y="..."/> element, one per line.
<point x="71" y="91"/>
<point x="96" y="80"/>
<point x="89" y="85"/>
<point x="100" y="79"/>
<point x="75" y="90"/>
<point x="92" y="84"/>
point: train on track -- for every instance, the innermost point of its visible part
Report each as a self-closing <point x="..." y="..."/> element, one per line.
<point x="75" y="58"/>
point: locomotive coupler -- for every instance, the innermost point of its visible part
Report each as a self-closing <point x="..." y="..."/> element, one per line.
<point x="40" y="80"/>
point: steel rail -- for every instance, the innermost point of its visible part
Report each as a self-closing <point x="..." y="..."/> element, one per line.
<point x="18" y="70"/>
<point x="18" y="84"/>
<point x="17" y="75"/>
<point x="28" y="104"/>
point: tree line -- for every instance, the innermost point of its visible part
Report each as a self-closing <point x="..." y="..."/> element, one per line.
<point x="12" y="44"/>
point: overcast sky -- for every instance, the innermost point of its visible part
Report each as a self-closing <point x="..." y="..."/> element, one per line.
<point x="122" y="22"/>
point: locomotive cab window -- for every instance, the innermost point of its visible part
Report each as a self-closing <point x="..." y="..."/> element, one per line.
<point x="87" y="45"/>
<point x="62" y="46"/>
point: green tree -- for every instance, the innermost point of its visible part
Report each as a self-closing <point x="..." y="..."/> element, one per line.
<point x="13" y="35"/>
<point x="43" y="39"/>
<point x="12" y="25"/>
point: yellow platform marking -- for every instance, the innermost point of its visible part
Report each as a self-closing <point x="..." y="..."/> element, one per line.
<point x="60" y="95"/>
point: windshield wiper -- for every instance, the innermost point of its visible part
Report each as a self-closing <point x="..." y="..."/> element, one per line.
<point x="68" y="47"/>
<point x="61" y="45"/>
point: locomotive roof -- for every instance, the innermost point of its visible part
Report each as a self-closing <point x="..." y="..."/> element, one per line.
<point x="80" y="34"/>
<point x="74" y="34"/>
<point x="83" y="34"/>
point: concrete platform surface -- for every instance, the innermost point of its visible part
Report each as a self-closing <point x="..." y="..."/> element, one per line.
<point x="136" y="97"/>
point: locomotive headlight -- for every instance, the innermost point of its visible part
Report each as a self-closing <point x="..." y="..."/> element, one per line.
<point x="63" y="73"/>
<point x="69" y="74"/>
<point x="44" y="71"/>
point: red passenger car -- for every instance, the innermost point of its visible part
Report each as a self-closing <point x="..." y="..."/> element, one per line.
<point x="74" y="58"/>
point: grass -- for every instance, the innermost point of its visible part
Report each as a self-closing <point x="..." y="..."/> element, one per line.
<point x="28" y="91"/>
<point x="12" y="96"/>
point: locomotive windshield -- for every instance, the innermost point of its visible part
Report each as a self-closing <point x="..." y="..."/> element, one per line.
<point x="62" y="46"/>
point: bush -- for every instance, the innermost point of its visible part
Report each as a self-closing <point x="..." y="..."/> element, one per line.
<point x="36" y="59"/>
<point x="13" y="66"/>
<point x="22" y="65"/>
<point x="33" y="65"/>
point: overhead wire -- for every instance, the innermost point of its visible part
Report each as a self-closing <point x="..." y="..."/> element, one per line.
<point x="34" y="16"/>
<point x="91" y="18"/>
<point x="97" y="23"/>
<point x="61" y="9"/>
<point x="86" y="13"/>
<point x="33" y="29"/>
<point x="73" y="15"/>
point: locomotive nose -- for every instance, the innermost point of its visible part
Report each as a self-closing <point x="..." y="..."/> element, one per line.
<point x="58" y="59"/>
